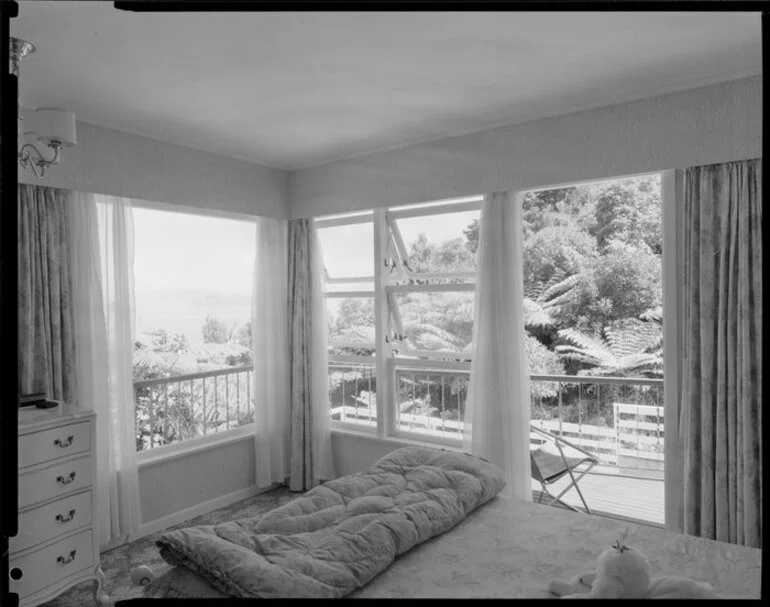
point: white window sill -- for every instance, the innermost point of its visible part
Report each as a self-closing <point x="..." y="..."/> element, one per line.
<point x="157" y="455"/>
<point x="449" y="445"/>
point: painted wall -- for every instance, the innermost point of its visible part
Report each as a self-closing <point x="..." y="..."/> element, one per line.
<point x="106" y="161"/>
<point x="711" y="124"/>
<point x="355" y="452"/>
<point x="176" y="484"/>
<point x="173" y="485"/>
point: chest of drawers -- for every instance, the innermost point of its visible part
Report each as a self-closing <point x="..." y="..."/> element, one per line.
<point x="57" y="545"/>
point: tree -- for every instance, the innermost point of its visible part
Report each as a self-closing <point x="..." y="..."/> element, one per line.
<point x="243" y="336"/>
<point x="163" y="341"/>
<point x="630" y="211"/>
<point x="215" y="331"/>
<point x="472" y="236"/>
<point x="437" y="321"/>
<point x="542" y="361"/>
<point x="449" y="256"/>
<point x="554" y="249"/>
<point x="623" y="283"/>
<point x="627" y="347"/>
<point x="572" y="206"/>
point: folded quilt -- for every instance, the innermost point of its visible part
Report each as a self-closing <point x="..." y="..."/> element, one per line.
<point x="341" y="534"/>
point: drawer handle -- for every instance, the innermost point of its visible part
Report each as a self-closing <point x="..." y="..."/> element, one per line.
<point x="66" y="481"/>
<point x="66" y="560"/>
<point x="64" y="444"/>
<point x="66" y="518"/>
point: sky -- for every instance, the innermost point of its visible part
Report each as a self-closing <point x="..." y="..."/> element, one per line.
<point x="189" y="266"/>
<point x="186" y="251"/>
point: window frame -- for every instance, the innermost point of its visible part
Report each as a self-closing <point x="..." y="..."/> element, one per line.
<point x="386" y="284"/>
<point x="148" y="457"/>
<point x="350" y="219"/>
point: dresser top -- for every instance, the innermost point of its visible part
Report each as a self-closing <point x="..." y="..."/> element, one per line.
<point x="32" y="418"/>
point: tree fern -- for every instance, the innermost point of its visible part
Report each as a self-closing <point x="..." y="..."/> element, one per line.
<point x="628" y="346"/>
<point x="543" y="300"/>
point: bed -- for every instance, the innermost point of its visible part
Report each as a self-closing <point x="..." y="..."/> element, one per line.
<point x="507" y="548"/>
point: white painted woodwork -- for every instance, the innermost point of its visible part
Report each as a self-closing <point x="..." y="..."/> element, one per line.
<point x="63" y="515"/>
<point x="54" y="481"/>
<point x="54" y="444"/>
<point x="45" y="566"/>
<point x="57" y="545"/>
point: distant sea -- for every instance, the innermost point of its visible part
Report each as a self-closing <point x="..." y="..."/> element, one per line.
<point x="185" y="310"/>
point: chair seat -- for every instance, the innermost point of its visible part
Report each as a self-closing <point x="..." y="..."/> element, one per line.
<point x="548" y="465"/>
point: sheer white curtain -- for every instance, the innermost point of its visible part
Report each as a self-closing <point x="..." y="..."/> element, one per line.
<point x="270" y="324"/>
<point x="102" y="229"/>
<point x="497" y="408"/>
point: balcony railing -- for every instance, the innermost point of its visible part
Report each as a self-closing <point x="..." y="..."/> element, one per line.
<point x="173" y="409"/>
<point x="353" y="393"/>
<point x="619" y="419"/>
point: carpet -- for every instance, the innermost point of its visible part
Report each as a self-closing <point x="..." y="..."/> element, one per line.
<point x="118" y="563"/>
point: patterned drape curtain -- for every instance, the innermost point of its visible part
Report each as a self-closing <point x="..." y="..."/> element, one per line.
<point x="310" y="450"/>
<point x="721" y="412"/>
<point x="46" y="340"/>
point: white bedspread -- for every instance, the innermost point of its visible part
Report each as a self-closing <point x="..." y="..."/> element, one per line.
<point x="513" y="549"/>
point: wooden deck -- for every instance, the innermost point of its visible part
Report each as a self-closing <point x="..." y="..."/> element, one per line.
<point x="638" y="500"/>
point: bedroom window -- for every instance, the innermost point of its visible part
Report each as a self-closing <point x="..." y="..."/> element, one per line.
<point x="407" y="292"/>
<point x="430" y="256"/>
<point x="593" y="286"/>
<point x="593" y="265"/>
<point x="347" y="243"/>
<point x="192" y="352"/>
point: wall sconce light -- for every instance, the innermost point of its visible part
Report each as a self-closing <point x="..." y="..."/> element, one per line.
<point x="53" y="127"/>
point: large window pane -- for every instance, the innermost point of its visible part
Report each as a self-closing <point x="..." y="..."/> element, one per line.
<point x="431" y="402"/>
<point x="192" y="355"/>
<point x="353" y="393"/>
<point x="592" y="265"/>
<point x="440" y="243"/>
<point x="348" y="250"/>
<point x="351" y="325"/>
<point x="435" y="322"/>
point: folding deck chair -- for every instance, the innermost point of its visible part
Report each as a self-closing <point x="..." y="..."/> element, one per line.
<point x="555" y="457"/>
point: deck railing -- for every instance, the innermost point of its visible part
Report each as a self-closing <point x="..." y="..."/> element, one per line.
<point x="619" y="419"/>
<point x="353" y="392"/>
<point x="182" y="407"/>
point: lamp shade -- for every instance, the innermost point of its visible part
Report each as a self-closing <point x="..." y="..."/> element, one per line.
<point x="53" y="124"/>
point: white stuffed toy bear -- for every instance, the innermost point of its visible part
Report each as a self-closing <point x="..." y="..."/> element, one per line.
<point x="624" y="573"/>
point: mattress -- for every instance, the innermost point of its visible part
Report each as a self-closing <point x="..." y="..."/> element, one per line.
<point x="513" y="549"/>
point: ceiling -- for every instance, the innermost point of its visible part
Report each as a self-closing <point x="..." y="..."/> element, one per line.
<point x="294" y="89"/>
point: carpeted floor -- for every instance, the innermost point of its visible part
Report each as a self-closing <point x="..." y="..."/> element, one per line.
<point x="119" y="562"/>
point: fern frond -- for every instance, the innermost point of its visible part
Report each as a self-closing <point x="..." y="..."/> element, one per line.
<point x="535" y="315"/>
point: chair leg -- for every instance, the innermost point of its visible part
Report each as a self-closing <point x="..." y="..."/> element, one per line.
<point x="574" y="483"/>
<point x="555" y="499"/>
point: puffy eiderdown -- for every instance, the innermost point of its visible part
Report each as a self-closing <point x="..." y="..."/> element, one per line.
<point x="341" y="534"/>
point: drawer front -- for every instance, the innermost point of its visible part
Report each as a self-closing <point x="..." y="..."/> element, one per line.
<point x="47" y="445"/>
<point x="53" y="563"/>
<point x="54" y="481"/>
<point x="46" y="522"/>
